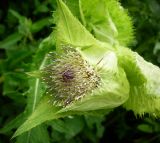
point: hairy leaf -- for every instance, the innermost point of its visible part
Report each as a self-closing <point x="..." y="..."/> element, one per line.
<point x="108" y="21"/>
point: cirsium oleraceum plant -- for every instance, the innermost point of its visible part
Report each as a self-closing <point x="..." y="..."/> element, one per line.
<point x="91" y="73"/>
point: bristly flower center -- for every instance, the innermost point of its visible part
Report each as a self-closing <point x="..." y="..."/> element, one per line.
<point x="69" y="77"/>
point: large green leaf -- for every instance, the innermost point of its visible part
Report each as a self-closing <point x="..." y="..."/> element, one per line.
<point x="145" y="97"/>
<point x="43" y="112"/>
<point x="70" y="30"/>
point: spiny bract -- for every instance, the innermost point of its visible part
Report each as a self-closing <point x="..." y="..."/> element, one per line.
<point x="69" y="77"/>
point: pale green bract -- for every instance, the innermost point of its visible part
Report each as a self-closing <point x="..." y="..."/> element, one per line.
<point x="108" y="21"/>
<point x="127" y="79"/>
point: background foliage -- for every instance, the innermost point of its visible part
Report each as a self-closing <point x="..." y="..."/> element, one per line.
<point x="24" y="24"/>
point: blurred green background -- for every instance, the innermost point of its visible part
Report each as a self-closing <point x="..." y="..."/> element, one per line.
<point x="23" y="24"/>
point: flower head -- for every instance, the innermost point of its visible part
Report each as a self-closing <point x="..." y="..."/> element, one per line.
<point x="69" y="77"/>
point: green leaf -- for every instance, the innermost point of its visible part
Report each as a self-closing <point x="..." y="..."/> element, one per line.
<point x="36" y="89"/>
<point x="93" y="121"/>
<point x="144" y="94"/>
<point x="10" y="40"/>
<point x="37" y="135"/>
<point x="43" y="112"/>
<point x="38" y="25"/>
<point x="69" y="126"/>
<point x="25" y="24"/>
<point x="111" y="22"/>
<point x="145" y="128"/>
<point x="70" y="30"/>
<point x="14" y="123"/>
<point x="73" y="5"/>
<point x="17" y="15"/>
<point x="156" y="48"/>
<point x="128" y="61"/>
<point x="14" y="85"/>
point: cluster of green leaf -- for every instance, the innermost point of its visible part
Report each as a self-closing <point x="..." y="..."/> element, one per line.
<point x="23" y="50"/>
<point x="18" y="45"/>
